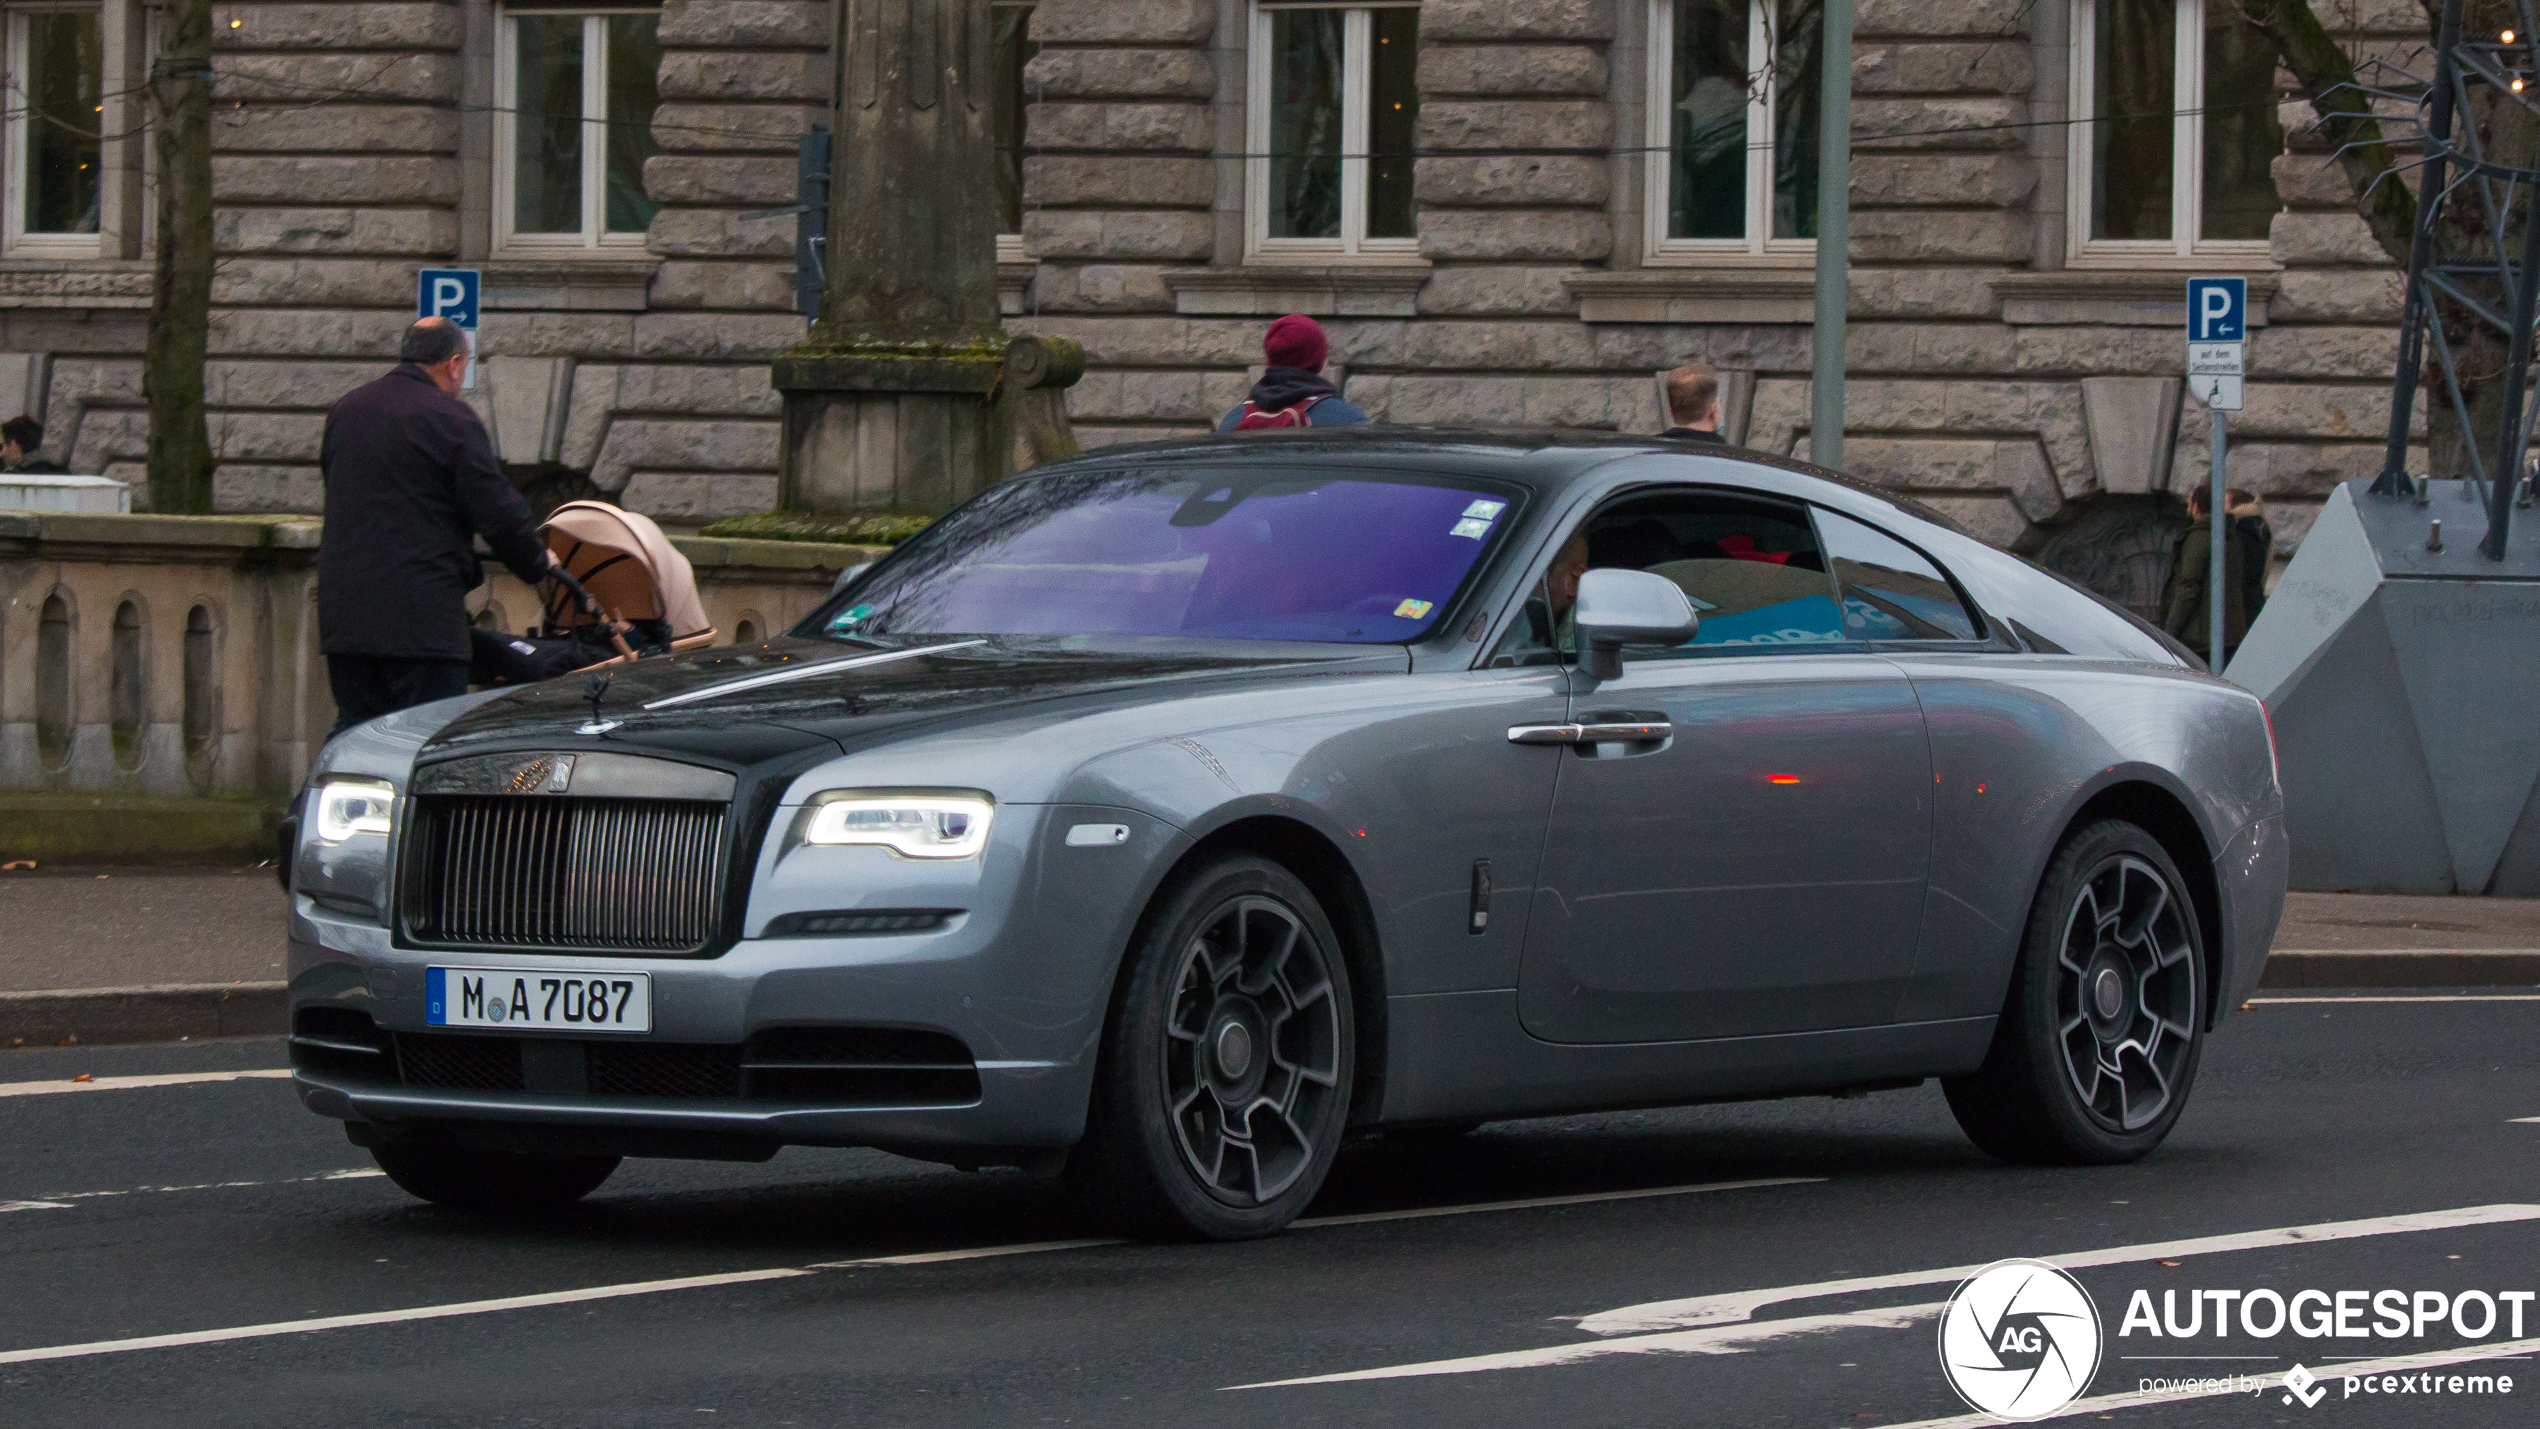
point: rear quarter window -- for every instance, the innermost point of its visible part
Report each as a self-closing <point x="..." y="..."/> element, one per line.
<point x="1890" y="591"/>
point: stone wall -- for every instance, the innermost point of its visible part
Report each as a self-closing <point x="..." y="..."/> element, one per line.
<point x="2035" y="399"/>
<point x="167" y="666"/>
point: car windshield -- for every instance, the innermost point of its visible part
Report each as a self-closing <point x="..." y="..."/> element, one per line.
<point x="1242" y="554"/>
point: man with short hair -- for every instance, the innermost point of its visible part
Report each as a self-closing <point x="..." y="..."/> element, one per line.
<point x="22" y="448"/>
<point x="411" y="481"/>
<point x="2185" y="610"/>
<point x="1292" y="391"/>
<point x="1693" y="403"/>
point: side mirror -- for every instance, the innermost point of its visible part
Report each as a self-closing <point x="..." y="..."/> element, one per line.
<point x="1618" y="608"/>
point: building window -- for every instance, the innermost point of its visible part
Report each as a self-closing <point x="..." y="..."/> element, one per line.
<point x="1015" y="47"/>
<point x="54" y="99"/>
<point x="1332" y="125"/>
<point x="575" y="92"/>
<point x="2174" y="159"/>
<point x="1733" y="127"/>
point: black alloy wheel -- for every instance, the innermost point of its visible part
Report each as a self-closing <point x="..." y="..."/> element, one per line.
<point x="1224" y="1080"/>
<point x="2100" y="1035"/>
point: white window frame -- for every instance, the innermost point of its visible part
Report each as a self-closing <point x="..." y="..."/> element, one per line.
<point x="15" y="241"/>
<point x="1358" y="77"/>
<point x="595" y="133"/>
<point x="1758" y="247"/>
<point x="2187" y="158"/>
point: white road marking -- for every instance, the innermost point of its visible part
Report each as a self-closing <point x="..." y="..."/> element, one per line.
<point x="2430" y="997"/>
<point x="116" y="1084"/>
<point x="357" y="1173"/>
<point x="984" y="1252"/>
<point x="1591" y="1198"/>
<point x="2397" y="1364"/>
<point x="8" y="1206"/>
<point x="1742" y="1304"/>
<point x="392" y="1317"/>
<point x="1721" y="1324"/>
<point x="650" y="1287"/>
<point x="1709" y="1340"/>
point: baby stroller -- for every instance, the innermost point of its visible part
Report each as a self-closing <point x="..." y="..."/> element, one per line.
<point x="620" y="592"/>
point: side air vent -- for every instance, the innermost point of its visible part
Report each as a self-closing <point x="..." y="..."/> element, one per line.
<point x="861" y="1066"/>
<point x="342" y="1043"/>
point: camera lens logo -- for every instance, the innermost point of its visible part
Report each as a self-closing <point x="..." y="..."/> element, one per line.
<point x="2019" y="1340"/>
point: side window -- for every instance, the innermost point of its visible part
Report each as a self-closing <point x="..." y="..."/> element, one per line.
<point x="1890" y="591"/>
<point x="1751" y="566"/>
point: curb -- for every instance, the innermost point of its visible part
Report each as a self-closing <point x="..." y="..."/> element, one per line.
<point x="162" y="1013"/>
<point x="2401" y="967"/>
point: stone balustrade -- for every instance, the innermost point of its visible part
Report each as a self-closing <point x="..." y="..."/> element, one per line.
<point x="161" y="689"/>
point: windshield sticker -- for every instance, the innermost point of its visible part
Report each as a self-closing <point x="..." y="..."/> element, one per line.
<point x="851" y="616"/>
<point x="1412" y="609"/>
<point x="1475" y="527"/>
<point x="1485" y="510"/>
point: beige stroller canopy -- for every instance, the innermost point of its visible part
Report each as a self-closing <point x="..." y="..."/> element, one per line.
<point x="629" y="567"/>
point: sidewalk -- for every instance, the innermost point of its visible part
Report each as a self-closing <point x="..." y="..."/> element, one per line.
<point x="146" y="955"/>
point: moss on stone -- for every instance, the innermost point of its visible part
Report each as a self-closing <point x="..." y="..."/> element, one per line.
<point x="881" y="528"/>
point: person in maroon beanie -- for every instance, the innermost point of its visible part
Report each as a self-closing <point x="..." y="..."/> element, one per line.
<point x="1292" y="391"/>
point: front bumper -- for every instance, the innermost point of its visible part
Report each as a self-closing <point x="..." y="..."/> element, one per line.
<point x="1022" y="979"/>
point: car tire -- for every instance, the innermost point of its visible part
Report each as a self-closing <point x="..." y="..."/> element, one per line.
<point x="1223" y="1081"/>
<point x="497" y="1181"/>
<point x="2101" y="1032"/>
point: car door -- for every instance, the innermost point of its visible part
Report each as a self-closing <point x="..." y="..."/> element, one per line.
<point x="1743" y="851"/>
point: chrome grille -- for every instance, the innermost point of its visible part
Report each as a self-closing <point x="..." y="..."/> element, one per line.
<point x="592" y="875"/>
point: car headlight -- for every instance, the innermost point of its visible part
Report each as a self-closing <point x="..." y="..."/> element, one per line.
<point x="347" y="807"/>
<point x="930" y="825"/>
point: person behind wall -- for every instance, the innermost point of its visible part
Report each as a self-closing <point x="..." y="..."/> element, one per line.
<point x="1693" y="404"/>
<point x="2256" y="539"/>
<point x="1292" y="391"/>
<point x="22" y="448"/>
<point x="2185" y="612"/>
<point x="411" y="480"/>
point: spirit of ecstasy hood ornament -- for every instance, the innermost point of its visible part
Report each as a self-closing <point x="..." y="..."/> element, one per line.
<point x="595" y="690"/>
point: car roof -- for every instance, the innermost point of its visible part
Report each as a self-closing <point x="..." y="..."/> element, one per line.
<point x="1547" y="459"/>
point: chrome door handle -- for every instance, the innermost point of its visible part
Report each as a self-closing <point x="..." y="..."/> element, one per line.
<point x="1543" y="733"/>
<point x="1606" y="731"/>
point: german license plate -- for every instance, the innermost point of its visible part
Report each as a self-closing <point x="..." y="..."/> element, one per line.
<point x="538" y="1000"/>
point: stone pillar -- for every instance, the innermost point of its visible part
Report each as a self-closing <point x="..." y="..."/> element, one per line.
<point x="893" y="402"/>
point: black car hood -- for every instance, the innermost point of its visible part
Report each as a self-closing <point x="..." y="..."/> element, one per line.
<point x="845" y="696"/>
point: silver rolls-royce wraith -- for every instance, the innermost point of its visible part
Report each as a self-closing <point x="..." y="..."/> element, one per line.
<point x="1164" y="817"/>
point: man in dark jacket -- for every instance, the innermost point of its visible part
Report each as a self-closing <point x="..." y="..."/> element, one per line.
<point x="1292" y="391"/>
<point x="411" y="480"/>
<point x="22" y="448"/>
<point x="1693" y="404"/>
<point x="2184" y="610"/>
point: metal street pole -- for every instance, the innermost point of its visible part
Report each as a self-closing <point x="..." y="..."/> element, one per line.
<point x="1834" y="233"/>
<point x="2214" y="592"/>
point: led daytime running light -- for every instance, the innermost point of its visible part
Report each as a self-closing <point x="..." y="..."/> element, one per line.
<point x="909" y="825"/>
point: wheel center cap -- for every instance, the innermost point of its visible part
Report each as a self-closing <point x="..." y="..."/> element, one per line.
<point x="2108" y="991"/>
<point x="1234" y="1050"/>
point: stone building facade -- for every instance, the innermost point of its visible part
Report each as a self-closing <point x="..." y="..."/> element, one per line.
<point x="1507" y="212"/>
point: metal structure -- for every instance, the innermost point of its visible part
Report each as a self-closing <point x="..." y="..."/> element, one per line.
<point x="2381" y="637"/>
<point x="2485" y="277"/>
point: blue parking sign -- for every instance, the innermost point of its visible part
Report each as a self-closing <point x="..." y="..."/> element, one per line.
<point x="448" y="293"/>
<point x="2217" y="309"/>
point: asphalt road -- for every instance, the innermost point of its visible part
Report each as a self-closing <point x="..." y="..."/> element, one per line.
<point x="206" y="1206"/>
